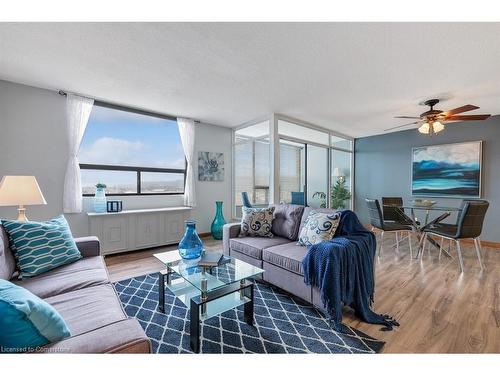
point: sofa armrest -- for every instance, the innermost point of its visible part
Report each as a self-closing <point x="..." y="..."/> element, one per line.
<point x="231" y="230"/>
<point x="88" y="246"/>
<point x="124" y="336"/>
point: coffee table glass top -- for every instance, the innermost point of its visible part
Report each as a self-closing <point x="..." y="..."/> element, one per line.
<point x="206" y="279"/>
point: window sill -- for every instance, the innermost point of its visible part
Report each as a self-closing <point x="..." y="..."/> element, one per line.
<point x="140" y="211"/>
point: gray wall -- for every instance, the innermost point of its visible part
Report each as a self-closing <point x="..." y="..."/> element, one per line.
<point x="383" y="166"/>
<point x="33" y="142"/>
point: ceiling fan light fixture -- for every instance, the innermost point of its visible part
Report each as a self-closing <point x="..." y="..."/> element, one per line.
<point x="437" y="127"/>
<point x="424" y="128"/>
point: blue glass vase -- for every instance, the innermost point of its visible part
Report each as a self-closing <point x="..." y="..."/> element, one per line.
<point x="218" y="222"/>
<point x="190" y="246"/>
<point x="100" y="200"/>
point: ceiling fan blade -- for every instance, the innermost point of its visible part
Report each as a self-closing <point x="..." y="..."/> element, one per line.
<point x="401" y="126"/>
<point x="464" y="108"/>
<point x="416" y="118"/>
<point x="467" y="117"/>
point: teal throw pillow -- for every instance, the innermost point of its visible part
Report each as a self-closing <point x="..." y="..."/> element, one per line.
<point x="26" y="321"/>
<point x="39" y="247"/>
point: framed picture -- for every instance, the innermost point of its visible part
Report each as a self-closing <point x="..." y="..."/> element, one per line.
<point x="210" y="166"/>
<point x="450" y="170"/>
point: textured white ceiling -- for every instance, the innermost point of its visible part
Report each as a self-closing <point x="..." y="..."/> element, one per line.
<point x="350" y="77"/>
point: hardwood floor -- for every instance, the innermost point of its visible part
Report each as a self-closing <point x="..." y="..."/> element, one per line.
<point x="440" y="310"/>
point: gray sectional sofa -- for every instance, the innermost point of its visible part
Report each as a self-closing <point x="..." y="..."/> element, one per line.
<point x="82" y="293"/>
<point x="279" y="256"/>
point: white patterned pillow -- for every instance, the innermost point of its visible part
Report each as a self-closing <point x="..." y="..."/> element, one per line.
<point x="319" y="227"/>
<point x="257" y="222"/>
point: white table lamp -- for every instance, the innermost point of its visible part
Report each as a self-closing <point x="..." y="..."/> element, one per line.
<point x="20" y="191"/>
<point x="337" y="173"/>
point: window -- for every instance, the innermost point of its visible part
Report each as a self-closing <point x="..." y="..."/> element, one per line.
<point x="132" y="152"/>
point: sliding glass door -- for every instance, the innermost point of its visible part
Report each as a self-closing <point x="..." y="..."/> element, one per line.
<point x="317" y="176"/>
<point x="292" y="169"/>
<point x="341" y="177"/>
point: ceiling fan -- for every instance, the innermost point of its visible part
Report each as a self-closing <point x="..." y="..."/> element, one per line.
<point x="432" y="121"/>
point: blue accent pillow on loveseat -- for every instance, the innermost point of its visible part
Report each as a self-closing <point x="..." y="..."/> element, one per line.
<point x="41" y="246"/>
<point x="27" y="321"/>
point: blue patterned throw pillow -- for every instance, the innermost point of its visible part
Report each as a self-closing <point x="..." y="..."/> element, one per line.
<point x="27" y="321"/>
<point x="41" y="246"/>
<point x="257" y="222"/>
<point x="319" y="227"/>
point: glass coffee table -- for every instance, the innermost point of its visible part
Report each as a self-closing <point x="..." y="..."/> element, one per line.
<point x="207" y="291"/>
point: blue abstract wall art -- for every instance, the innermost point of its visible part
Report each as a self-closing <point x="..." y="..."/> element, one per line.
<point x="452" y="170"/>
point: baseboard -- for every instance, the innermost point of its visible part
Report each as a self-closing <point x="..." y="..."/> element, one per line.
<point x="204" y="235"/>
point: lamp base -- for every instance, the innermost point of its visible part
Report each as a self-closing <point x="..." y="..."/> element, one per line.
<point x="21" y="216"/>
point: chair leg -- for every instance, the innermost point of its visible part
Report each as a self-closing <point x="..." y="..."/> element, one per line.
<point x="459" y="252"/>
<point x="380" y="244"/>
<point x="409" y="243"/>
<point x="477" y="245"/>
<point x="397" y="241"/>
<point x="424" y="242"/>
<point x="441" y="247"/>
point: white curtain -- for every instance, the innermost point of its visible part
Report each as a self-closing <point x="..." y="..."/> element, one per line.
<point x="78" y="111"/>
<point x="187" y="132"/>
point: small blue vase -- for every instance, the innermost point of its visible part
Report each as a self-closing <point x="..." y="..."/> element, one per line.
<point x="190" y="246"/>
<point x="218" y="222"/>
<point x="100" y="200"/>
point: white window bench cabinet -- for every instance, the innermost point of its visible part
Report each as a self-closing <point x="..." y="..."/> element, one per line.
<point x="138" y="229"/>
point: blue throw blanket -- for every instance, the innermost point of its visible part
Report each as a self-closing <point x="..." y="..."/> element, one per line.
<point x="343" y="270"/>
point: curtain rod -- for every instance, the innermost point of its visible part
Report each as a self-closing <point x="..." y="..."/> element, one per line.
<point x="127" y="108"/>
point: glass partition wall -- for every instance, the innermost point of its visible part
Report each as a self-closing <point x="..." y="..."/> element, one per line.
<point x="251" y="165"/>
<point x="311" y="165"/>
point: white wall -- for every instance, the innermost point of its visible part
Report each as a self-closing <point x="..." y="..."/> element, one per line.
<point x="33" y="142"/>
<point x="214" y="139"/>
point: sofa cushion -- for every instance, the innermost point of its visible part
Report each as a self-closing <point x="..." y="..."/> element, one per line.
<point x="257" y="222"/>
<point x="27" y="321"/>
<point x="286" y="220"/>
<point x="39" y="247"/>
<point x="88" y="309"/>
<point x="82" y="274"/>
<point x="252" y="246"/>
<point x="307" y="211"/>
<point x="319" y="227"/>
<point x="7" y="262"/>
<point x="288" y="256"/>
<point x="125" y="336"/>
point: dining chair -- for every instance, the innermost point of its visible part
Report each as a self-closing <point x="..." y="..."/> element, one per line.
<point x="245" y="200"/>
<point x="377" y="221"/>
<point x="469" y="225"/>
<point x="298" y="197"/>
<point x="391" y="213"/>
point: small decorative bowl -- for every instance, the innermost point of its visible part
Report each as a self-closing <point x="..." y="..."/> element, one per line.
<point x="424" y="203"/>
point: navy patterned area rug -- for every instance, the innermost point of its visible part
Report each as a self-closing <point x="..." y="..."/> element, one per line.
<point x="283" y="324"/>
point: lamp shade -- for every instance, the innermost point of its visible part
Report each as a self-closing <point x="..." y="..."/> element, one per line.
<point x="20" y="191"/>
<point x="336" y="172"/>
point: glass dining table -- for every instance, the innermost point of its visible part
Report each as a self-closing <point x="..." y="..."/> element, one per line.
<point x="419" y="227"/>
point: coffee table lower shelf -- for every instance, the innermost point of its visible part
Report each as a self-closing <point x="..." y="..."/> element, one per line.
<point x="204" y="305"/>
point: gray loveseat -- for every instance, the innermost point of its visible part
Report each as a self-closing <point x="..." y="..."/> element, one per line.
<point x="82" y="293"/>
<point x="279" y="256"/>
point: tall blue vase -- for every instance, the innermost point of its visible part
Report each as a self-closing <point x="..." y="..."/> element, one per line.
<point x="218" y="222"/>
<point x="100" y="200"/>
<point x="190" y="246"/>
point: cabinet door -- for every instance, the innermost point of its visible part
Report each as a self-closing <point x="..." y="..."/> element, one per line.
<point x="114" y="234"/>
<point x="174" y="226"/>
<point x="148" y="230"/>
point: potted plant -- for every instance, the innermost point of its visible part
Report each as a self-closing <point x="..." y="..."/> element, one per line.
<point x="338" y="195"/>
